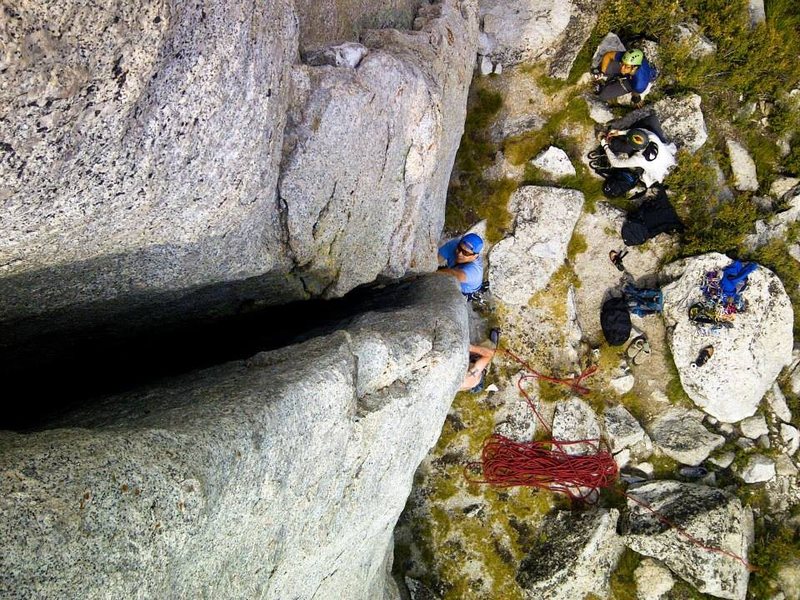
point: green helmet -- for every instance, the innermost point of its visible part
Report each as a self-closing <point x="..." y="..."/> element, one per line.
<point x="633" y="58"/>
<point x="638" y="138"/>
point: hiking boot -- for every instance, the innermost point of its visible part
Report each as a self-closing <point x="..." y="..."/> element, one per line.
<point x="704" y="355"/>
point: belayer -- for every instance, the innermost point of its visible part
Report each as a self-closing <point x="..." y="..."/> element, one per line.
<point x="621" y="73"/>
<point x="640" y="150"/>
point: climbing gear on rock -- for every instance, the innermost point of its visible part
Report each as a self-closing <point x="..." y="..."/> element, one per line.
<point x="705" y="354"/>
<point x="616" y="258"/>
<point x="643" y="301"/>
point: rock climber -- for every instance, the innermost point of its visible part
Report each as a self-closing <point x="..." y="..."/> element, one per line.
<point x="461" y="258"/>
<point x="621" y="73"/>
<point x="641" y="150"/>
<point x="479" y="359"/>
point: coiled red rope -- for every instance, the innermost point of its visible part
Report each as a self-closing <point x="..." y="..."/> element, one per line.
<point x="547" y="464"/>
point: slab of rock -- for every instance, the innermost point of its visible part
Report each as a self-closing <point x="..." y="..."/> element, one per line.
<point x="757" y="469"/>
<point x="621" y="427"/>
<point x="513" y="418"/>
<point x="783" y="185"/>
<point x="777" y="402"/>
<point x="790" y="437"/>
<point x="368" y="153"/>
<point x="516" y="31"/>
<point x="755" y="9"/>
<point x="653" y="580"/>
<point x="278" y="477"/>
<point x="722" y="460"/>
<point x="745" y="178"/>
<point x="521" y="265"/>
<point x="142" y="146"/>
<point x="679" y="434"/>
<point x="747" y="356"/>
<point x="754" y="427"/>
<point x="578" y="555"/>
<point x="682" y="121"/>
<point x="712" y="516"/>
<point x="575" y="420"/>
<point x="777" y="226"/>
<point x="690" y="34"/>
<point x="554" y="162"/>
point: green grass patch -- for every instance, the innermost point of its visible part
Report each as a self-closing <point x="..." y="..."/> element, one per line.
<point x="471" y="197"/>
<point x="623" y="584"/>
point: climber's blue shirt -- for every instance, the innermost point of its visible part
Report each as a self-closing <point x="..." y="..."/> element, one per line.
<point x="473" y="270"/>
<point x="642" y="77"/>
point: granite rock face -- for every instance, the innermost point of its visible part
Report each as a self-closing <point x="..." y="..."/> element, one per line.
<point x="517" y="31"/>
<point x="711" y="516"/>
<point x="141" y="143"/>
<point x="369" y="151"/>
<point x="521" y="265"/>
<point x="682" y="121"/>
<point x="142" y="150"/>
<point x="580" y="553"/>
<point x="748" y="356"/>
<point x="280" y="476"/>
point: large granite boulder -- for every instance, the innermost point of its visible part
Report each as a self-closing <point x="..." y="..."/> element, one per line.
<point x="143" y="145"/>
<point x="721" y="530"/>
<point x="679" y="434"/>
<point x="276" y="477"/>
<point x="522" y="264"/>
<point x="578" y="553"/>
<point x="369" y="151"/>
<point x="778" y="225"/>
<point x="519" y="31"/>
<point x="748" y="356"/>
<point x="682" y="121"/>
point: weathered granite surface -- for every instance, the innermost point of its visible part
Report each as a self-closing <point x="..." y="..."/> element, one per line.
<point x="142" y="143"/>
<point x="276" y="477"/>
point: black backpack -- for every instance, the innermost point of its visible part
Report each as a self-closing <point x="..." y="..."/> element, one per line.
<point x="615" y="321"/>
<point x="655" y="215"/>
<point x="617" y="181"/>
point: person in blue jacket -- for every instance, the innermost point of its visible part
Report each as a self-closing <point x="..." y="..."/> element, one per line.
<point x="626" y="72"/>
<point x="462" y="260"/>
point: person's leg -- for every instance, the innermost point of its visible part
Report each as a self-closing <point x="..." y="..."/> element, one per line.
<point x="614" y="89"/>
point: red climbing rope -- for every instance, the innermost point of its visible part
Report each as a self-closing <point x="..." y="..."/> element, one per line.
<point x="548" y="464"/>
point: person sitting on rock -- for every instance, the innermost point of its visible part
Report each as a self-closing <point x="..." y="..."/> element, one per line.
<point x="640" y="150"/>
<point x="479" y="359"/>
<point x="461" y="258"/>
<point x="623" y="73"/>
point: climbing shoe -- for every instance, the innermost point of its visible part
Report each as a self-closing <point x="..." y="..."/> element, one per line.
<point x="704" y="355"/>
